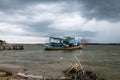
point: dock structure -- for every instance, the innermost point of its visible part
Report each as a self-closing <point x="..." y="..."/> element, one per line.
<point x="11" y="47"/>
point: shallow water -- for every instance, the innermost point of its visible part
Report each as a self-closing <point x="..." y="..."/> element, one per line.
<point x="104" y="59"/>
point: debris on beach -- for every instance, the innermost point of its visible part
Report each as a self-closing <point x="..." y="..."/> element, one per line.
<point x="4" y="73"/>
<point x="74" y="72"/>
<point x="77" y="72"/>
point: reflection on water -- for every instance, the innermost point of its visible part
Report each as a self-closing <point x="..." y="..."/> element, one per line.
<point x="103" y="59"/>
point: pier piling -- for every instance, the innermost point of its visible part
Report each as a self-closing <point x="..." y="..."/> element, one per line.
<point x="12" y="47"/>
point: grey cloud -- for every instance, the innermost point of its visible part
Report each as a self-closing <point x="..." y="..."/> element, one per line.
<point x="101" y="9"/>
<point x="98" y="9"/>
<point x="11" y="5"/>
<point x="40" y="28"/>
<point x="108" y="10"/>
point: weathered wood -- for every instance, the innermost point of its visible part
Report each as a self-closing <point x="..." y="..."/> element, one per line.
<point x="83" y="73"/>
<point x="79" y="64"/>
<point x="12" y="47"/>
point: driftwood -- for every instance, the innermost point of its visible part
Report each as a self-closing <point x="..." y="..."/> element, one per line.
<point x="4" y="73"/>
<point x="77" y="72"/>
<point x="74" y="72"/>
<point x="81" y="67"/>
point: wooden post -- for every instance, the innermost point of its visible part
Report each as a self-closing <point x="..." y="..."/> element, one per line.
<point x="80" y="67"/>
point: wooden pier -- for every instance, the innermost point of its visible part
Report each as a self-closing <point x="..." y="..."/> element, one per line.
<point x="11" y="47"/>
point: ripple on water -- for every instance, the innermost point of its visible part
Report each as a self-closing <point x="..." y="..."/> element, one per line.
<point x="101" y="58"/>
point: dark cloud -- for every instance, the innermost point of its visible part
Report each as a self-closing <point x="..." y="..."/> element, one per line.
<point x="97" y="9"/>
<point x="11" y="5"/>
<point x="39" y="28"/>
<point x="101" y="9"/>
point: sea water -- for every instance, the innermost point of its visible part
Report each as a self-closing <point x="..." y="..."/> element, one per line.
<point x="103" y="59"/>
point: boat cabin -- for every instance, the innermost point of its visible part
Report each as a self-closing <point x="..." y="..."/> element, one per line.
<point x="61" y="42"/>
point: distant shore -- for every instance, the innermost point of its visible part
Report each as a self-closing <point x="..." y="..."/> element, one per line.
<point x="102" y="43"/>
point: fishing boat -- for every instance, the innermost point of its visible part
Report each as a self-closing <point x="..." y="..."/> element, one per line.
<point x="65" y="43"/>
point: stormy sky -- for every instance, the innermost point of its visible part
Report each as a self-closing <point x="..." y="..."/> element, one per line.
<point x="33" y="21"/>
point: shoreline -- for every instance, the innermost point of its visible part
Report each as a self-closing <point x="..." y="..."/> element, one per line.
<point x="71" y="73"/>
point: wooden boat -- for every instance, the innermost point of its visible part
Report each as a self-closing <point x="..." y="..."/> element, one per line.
<point x="64" y="48"/>
<point x="67" y="43"/>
